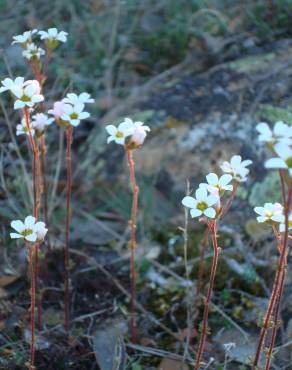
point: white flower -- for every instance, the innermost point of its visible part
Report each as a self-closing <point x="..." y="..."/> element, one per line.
<point x="40" y="121"/>
<point x="29" y="230"/>
<point x="119" y="134"/>
<point x="58" y="109"/>
<point x="270" y="212"/>
<point x="282" y="225"/>
<point x="53" y="35"/>
<point x="216" y="185"/>
<point x="27" y="93"/>
<point x="22" y="129"/>
<point x="202" y="204"/>
<point x="284" y="159"/>
<point x="74" y="113"/>
<point x="139" y="131"/>
<point x="33" y="51"/>
<point x="73" y="99"/>
<point x="25" y="38"/>
<point x="281" y="133"/>
<point x="237" y="168"/>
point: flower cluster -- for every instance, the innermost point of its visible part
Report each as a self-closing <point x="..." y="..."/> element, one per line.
<point x="273" y="214"/>
<point x="207" y="200"/>
<point x="279" y="140"/>
<point x="129" y="133"/>
<point x="31" y="51"/>
<point x="30" y="230"/>
<point x="70" y="110"/>
<point x="27" y="93"/>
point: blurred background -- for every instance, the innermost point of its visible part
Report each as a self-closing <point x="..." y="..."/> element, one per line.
<point x="201" y="74"/>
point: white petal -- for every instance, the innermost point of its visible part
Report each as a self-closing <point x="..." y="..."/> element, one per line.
<point x="261" y="219"/>
<point x="283" y="151"/>
<point x="228" y="187"/>
<point x="19" y="104"/>
<point x="235" y="160"/>
<point x="84" y="115"/>
<point x="260" y="210"/>
<point x="225" y="179"/>
<point x="189" y="202"/>
<point x="201" y="194"/>
<point x="31" y="237"/>
<point x="18" y="225"/>
<point x="210" y="212"/>
<point x="29" y="221"/>
<point x="264" y="129"/>
<point x="212" y="199"/>
<point x="276" y="163"/>
<point x="212" y="178"/>
<point x="111" y="129"/>
<point x="195" y="213"/>
<point x="15" y="236"/>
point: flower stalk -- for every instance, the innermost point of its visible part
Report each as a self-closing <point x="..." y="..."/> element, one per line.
<point x="213" y="231"/>
<point x="69" y="139"/>
<point x="133" y="243"/>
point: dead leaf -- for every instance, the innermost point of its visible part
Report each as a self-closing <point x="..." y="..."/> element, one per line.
<point x="168" y="364"/>
<point x="8" y="279"/>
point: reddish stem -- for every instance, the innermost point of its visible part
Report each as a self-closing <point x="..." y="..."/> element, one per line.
<point x="202" y="262"/>
<point x="226" y="209"/>
<point x="69" y="137"/>
<point x="276" y="319"/>
<point x="133" y="242"/>
<point x="36" y="195"/>
<point x="213" y="231"/>
<point x="44" y="178"/>
<point x="277" y="283"/>
<point x="32" y="306"/>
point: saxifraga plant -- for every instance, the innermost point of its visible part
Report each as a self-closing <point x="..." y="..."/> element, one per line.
<point x="131" y="135"/>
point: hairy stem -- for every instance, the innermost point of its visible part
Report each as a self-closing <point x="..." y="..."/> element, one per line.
<point x="213" y="231"/>
<point x="44" y="178"/>
<point x="32" y="305"/>
<point x="69" y="138"/>
<point x="133" y="243"/>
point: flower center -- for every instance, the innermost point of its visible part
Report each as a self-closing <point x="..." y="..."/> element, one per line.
<point x="26" y="232"/>
<point x="202" y="206"/>
<point x="119" y="134"/>
<point x="25" y="98"/>
<point x="269" y="214"/>
<point x="74" y="116"/>
<point x="289" y="162"/>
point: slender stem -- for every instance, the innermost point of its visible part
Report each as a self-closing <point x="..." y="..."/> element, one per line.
<point x="44" y="178"/>
<point x="277" y="283"/>
<point x="32" y="306"/>
<point x="36" y="204"/>
<point x="213" y="231"/>
<point x="189" y="312"/>
<point x="69" y="137"/>
<point x="133" y="242"/>
<point x="226" y="209"/>
<point x="202" y="262"/>
<point x="276" y="320"/>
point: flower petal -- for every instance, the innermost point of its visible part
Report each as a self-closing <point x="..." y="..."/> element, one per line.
<point x="18" y="225"/>
<point x="210" y="212"/>
<point x="195" y="212"/>
<point x="212" y="178"/>
<point x="189" y="202"/>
